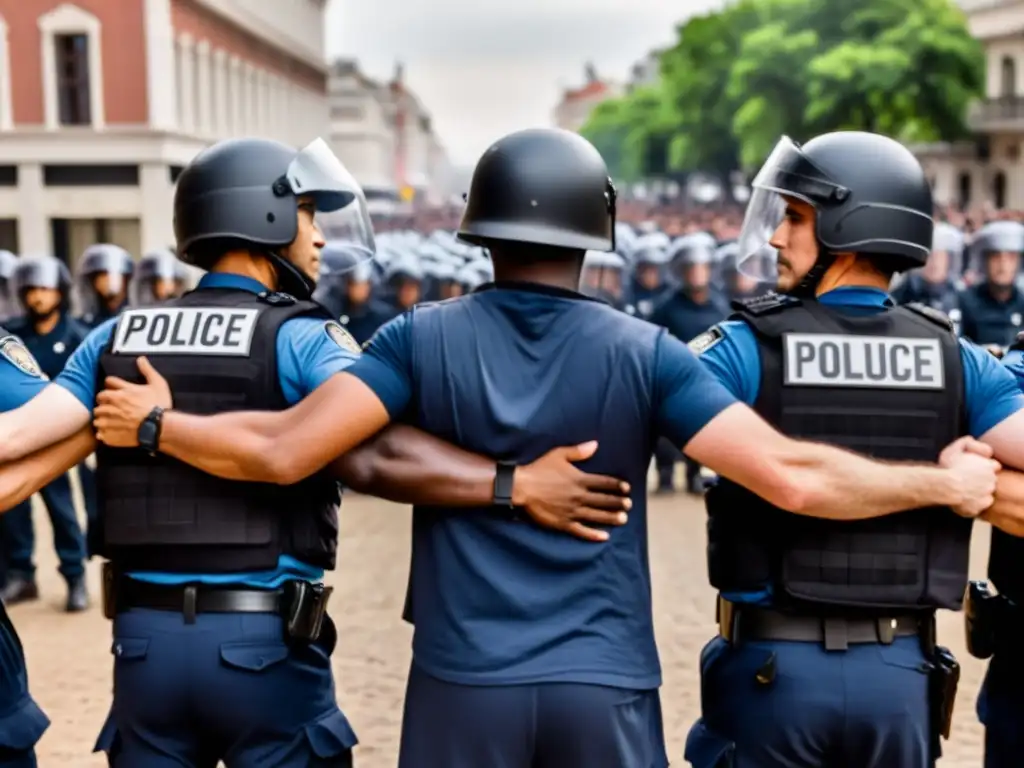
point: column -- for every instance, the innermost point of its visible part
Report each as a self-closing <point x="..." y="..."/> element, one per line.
<point x="204" y="89"/>
<point x="186" y="84"/>
<point x="156" y="217"/>
<point x="221" y="105"/>
<point x="34" y="236"/>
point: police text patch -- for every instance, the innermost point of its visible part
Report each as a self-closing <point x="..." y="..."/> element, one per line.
<point x="16" y="353"/>
<point x="827" y="360"/>
<point x="186" y="331"/>
<point x="341" y="337"/>
<point x="703" y="342"/>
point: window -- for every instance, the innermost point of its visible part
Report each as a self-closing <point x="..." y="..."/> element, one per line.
<point x="1009" y="82"/>
<point x="73" y="95"/>
<point x="347" y="113"/>
<point x="999" y="190"/>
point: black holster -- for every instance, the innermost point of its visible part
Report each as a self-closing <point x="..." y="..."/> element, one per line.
<point x="986" y="615"/>
<point x="943" y="680"/>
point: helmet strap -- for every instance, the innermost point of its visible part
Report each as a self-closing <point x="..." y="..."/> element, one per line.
<point x="807" y="288"/>
<point x="290" y="279"/>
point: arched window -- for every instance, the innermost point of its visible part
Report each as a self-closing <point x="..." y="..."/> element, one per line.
<point x="1009" y="78"/>
<point x="999" y="190"/>
<point x="964" y="183"/>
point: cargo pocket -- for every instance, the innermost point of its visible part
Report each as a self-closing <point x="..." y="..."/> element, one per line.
<point x="331" y="739"/>
<point x="22" y="727"/>
<point x="707" y="749"/>
<point x="253" y="657"/>
<point x="129" y="648"/>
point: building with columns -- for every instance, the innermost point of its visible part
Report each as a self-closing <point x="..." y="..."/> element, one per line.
<point x="385" y="136"/>
<point x="988" y="170"/>
<point x="102" y="102"/>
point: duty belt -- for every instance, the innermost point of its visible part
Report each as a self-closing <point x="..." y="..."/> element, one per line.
<point x="738" y="623"/>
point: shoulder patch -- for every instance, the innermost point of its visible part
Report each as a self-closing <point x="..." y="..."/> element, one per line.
<point x="341" y="337"/>
<point x="764" y="304"/>
<point x="705" y="341"/>
<point x="19" y="356"/>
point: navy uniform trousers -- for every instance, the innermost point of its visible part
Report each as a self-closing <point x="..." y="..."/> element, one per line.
<point x="22" y="723"/>
<point x="1001" y="710"/>
<point x="228" y="687"/>
<point x="19" y="537"/>
<point x="865" y="707"/>
<point x="546" y="725"/>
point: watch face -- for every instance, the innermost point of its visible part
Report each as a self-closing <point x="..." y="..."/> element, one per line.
<point x="147" y="434"/>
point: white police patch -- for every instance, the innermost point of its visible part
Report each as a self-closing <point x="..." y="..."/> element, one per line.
<point x="838" y="360"/>
<point x="186" y="331"/>
<point x="17" y="354"/>
<point x="341" y="337"/>
<point x="705" y="341"/>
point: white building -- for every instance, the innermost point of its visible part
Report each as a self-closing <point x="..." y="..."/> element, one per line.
<point x="988" y="170"/>
<point x="102" y="102"/>
<point x="385" y="137"/>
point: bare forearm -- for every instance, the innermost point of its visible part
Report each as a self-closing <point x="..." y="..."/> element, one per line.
<point x="405" y="465"/>
<point x="840" y="485"/>
<point x="230" y="445"/>
<point x="22" y="478"/>
<point x="1007" y="514"/>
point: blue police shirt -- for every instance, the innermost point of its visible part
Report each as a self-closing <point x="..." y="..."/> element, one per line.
<point x="306" y="357"/>
<point x="497" y="602"/>
<point x="991" y="394"/>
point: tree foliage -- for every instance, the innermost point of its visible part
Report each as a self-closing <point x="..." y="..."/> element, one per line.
<point x="737" y="79"/>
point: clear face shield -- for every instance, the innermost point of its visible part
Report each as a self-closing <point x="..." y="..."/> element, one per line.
<point x="42" y="272"/>
<point x="342" y="213"/>
<point x="160" y="277"/>
<point x="786" y="173"/>
<point x="101" y="284"/>
<point x="996" y="252"/>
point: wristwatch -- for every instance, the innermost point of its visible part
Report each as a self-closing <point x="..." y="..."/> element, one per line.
<point x="504" y="476"/>
<point x="149" y="430"/>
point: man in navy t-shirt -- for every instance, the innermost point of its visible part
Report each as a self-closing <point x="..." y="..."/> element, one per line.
<point x="532" y="648"/>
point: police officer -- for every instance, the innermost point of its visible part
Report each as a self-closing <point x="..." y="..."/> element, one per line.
<point x="937" y="283"/>
<point x="9" y="304"/>
<point x="735" y="284"/>
<point x="210" y="587"/>
<point x="161" y="276"/>
<point x="690" y="309"/>
<point x="826" y="653"/>
<point x="43" y="285"/>
<point x="514" y="628"/>
<point x="22" y="722"/>
<point x="104" y="272"/>
<point x="602" y="278"/>
<point x="648" y="282"/>
<point x="345" y="288"/>
<point x="403" y="279"/>
<point x="991" y="312"/>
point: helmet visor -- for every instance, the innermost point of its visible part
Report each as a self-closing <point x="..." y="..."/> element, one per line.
<point x="316" y="171"/>
<point x="39" y="273"/>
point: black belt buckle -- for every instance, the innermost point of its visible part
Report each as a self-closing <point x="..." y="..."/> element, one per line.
<point x="305" y="606"/>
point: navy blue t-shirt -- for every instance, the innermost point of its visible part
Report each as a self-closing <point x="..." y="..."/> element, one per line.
<point x="499" y="601"/>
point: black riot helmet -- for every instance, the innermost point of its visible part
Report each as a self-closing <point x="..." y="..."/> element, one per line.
<point x="869" y="193"/>
<point x="244" y="193"/>
<point x="542" y="186"/>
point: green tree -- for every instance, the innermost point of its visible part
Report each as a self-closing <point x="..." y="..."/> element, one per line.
<point x="633" y="132"/>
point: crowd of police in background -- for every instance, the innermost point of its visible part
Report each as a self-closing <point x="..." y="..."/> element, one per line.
<point x="675" y="268"/>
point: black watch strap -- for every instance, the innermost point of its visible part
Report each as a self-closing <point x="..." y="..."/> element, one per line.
<point x="504" y="476"/>
<point x="149" y="430"/>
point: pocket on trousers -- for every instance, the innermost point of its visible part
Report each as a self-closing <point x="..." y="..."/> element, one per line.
<point x="331" y="737"/>
<point x="22" y="727"/>
<point x="904" y="655"/>
<point x="707" y="749"/>
<point x="129" y="648"/>
<point x="253" y="657"/>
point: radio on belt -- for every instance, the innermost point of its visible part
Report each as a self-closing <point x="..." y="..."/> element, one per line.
<point x="186" y="331"/>
<point x="828" y="360"/>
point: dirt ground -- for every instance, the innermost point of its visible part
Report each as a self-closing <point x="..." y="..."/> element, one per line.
<point x="69" y="655"/>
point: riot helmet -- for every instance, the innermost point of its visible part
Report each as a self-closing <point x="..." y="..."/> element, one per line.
<point x="346" y="277"/>
<point x="10" y="307"/>
<point x="42" y="284"/>
<point x="692" y="258"/>
<point x="404" y="277"/>
<point x="159" y="277"/>
<point x="602" y="276"/>
<point x="945" y="262"/>
<point x="649" y="267"/>
<point x="101" y="280"/>
<point x="996" y="252"/>
<point x="245" y="194"/>
<point x="542" y="186"/>
<point x="869" y="195"/>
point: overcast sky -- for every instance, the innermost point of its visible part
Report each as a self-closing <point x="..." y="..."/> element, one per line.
<point x="484" y="68"/>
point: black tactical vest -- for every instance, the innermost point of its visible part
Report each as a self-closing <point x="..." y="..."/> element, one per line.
<point x="217" y="350"/>
<point x="1006" y="556"/>
<point x="888" y="385"/>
